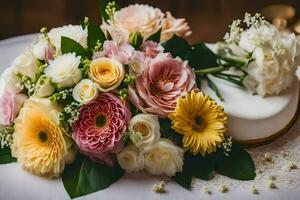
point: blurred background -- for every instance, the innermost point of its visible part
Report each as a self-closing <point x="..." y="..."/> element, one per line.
<point x="209" y="19"/>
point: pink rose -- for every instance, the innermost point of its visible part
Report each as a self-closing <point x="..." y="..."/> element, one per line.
<point x="151" y="49"/>
<point x="163" y="81"/>
<point x="121" y="53"/>
<point x="10" y="105"/>
<point x="100" y="126"/>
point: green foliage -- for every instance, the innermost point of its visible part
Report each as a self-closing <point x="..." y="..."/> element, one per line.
<point x="201" y="57"/>
<point x="155" y="37"/>
<point x="85" y="177"/>
<point x="96" y="36"/>
<point x="177" y="46"/>
<point x="106" y="10"/>
<point x="168" y="132"/>
<point x="5" y="156"/>
<point x="71" y="46"/>
<point x="238" y="165"/>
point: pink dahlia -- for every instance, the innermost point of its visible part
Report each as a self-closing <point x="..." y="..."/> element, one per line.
<point x="163" y="81"/>
<point x="100" y="126"/>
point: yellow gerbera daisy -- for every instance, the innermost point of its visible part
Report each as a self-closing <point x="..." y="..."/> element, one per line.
<point x="39" y="144"/>
<point x="201" y="122"/>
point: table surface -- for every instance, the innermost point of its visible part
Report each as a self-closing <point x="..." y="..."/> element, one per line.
<point x="16" y="183"/>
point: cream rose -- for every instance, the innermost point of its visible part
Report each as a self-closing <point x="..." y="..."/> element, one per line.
<point x="74" y="32"/>
<point x="39" y="48"/>
<point x="135" y="18"/>
<point x="85" y="91"/>
<point x="163" y="158"/>
<point x="107" y="73"/>
<point x="146" y="128"/>
<point x="131" y="160"/>
<point x="26" y="64"/>
<point x="64" y="70"/>
<point x="43" y="87"/>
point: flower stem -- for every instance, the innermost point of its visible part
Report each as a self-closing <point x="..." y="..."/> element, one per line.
<point x="211" y="70"/>
<point x="239" y="61"/>
<point x="214" y="87"/>
<point x="230" y="79"/>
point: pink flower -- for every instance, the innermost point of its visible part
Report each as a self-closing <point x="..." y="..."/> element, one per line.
<point x="151" y="49"/>
<point x="100" y="126"/>
<point x="121" y="53"/>
<point x="10" y="105"/>
<point x="163" y="81"/>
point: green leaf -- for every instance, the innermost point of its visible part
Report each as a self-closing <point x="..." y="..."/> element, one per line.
<point x="201" y="57"/>
<point x="84" y="177"/>
<point x="198" y="166"/>
<point x="5" y="156"/>
<point x="177" y="46"/>
<point x="238" y="165"/>
<point x="155" y="37"/>
<point x="71" y="46"/>
<point x="94" y="34"/>
<point x="184" y="179"/>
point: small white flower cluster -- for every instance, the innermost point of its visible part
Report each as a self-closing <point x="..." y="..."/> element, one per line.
<point x="235" y="31"/>
<point x="274" y="54"/>
<point x="227" y="145"/>
<point x="73" y="111"/>
<point x="6" y="136"/>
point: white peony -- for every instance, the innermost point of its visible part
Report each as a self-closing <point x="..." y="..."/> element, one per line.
<point x="131" y="160"/>
<point x="43" y="87"/>
<point x="85" y="91"/>
<point x="173" y="26"/>
<point x="163" y="158"/>
<point x="75" y="32"/>
<point x="39" y="48"/>
<point x="144" y="129"/>
<point x="26" y="64"/>
<point x="64" y="70"/>
<point x="134" y="18"/>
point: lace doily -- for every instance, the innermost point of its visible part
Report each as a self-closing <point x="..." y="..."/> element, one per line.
<point x="277" y="167"/>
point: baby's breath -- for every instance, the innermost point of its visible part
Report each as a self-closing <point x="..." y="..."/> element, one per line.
<point x="69" y="116"/>
<point x="278" y="49"/>
<point x="227" y="145"/>
<point x="6" y="135"/>
<point x="27" y="84"/>
<point x="61" y="96"/>
<point x="235" y="31"/>
<point x="255" y="20"/>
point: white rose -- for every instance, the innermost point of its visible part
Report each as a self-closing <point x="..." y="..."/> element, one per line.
<point x="39" y="48"/>
<point x="163" y="158"/>
<point x="135" y="18"/>
<point x="75" y="32"/>
<point x="64" y="70"/>
<point x="43" y="87"/>
<point x="10" y="81"/>
<point x="26" y="64"/>
<point x="173" y="26"/>
<point x="146" y="126"/>
<point x="85" y="91"/>
<point x="130" y="160"/>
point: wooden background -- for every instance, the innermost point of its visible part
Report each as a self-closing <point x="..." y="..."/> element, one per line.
<point x="208" y="18"/>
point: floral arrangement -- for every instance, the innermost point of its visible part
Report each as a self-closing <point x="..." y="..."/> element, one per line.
<point x="89" y="102"/>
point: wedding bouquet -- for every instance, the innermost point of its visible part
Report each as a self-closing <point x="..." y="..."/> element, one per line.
<point x="89" y="102"/>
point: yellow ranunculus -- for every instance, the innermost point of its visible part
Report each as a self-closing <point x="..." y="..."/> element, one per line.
<point x="107" y="73"/>
<point x="201" y="122"/>
<point x="39" y="144"/>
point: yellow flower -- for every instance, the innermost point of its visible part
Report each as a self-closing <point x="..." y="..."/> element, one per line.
<point x="201" y="122"/>
<point x="39" y="144"/>
<point x="107" y="73"/>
